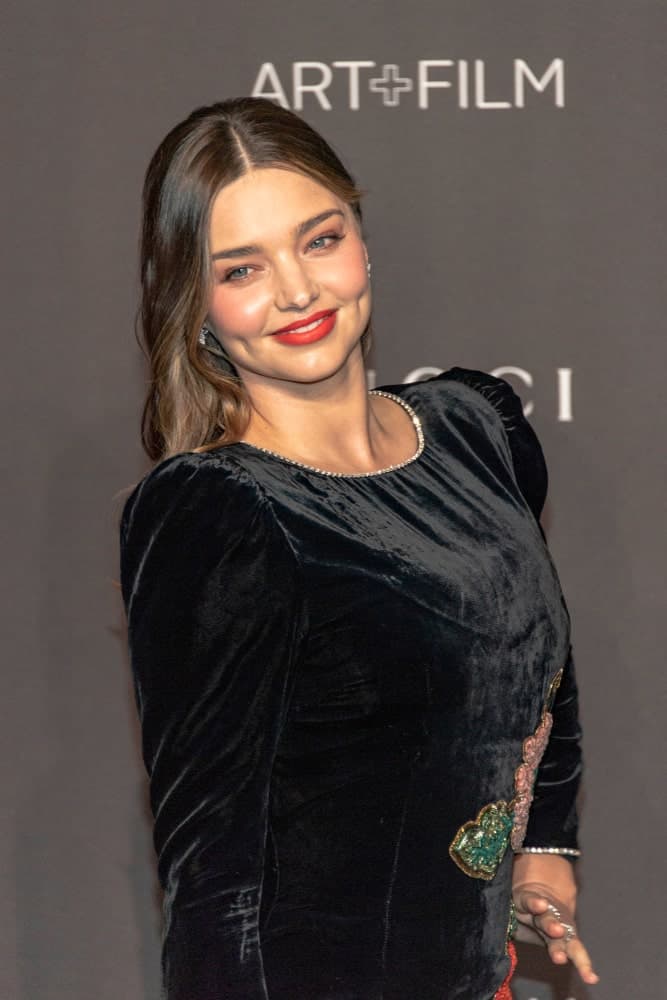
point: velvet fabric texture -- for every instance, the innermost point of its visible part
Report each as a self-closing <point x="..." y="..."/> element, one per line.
<point x="333" y="675"/>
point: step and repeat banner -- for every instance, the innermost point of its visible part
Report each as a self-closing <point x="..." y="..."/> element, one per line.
<point x="513" y="159"/>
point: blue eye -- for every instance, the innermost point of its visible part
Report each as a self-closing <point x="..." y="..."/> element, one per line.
<point x="237" y="273"/>
<point x="322" y="242"/>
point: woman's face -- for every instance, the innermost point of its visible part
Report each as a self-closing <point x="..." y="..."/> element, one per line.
<point x="286" y="252"/>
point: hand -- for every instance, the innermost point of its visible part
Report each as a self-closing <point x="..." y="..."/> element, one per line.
<point x="544" y="894"/>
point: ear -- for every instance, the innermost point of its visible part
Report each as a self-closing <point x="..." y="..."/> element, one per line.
<point x="209" y="340"/>
<point x="367" y="259"/>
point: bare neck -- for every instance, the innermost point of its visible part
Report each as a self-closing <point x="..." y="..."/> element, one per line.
<point x="333" y="424"/>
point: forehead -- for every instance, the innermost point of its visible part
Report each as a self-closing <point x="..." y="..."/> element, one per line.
<point x="266" y="203"/>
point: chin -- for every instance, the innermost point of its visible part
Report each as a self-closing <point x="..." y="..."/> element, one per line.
<point x="327" y="363"/>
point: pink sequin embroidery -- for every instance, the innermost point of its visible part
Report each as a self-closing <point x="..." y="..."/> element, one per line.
<point x="524" y="778"/>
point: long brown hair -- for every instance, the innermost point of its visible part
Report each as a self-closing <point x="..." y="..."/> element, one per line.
<point x="193" y="403"/>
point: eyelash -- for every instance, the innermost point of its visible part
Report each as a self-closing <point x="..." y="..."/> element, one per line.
<point x="336" y="237"/>
<point x="228" y="276"/>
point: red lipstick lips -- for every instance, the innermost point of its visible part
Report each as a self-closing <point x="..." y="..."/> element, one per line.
<point x="305" y="331"/>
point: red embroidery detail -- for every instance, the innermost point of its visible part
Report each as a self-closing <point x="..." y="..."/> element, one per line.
<point x="505" y="993"/>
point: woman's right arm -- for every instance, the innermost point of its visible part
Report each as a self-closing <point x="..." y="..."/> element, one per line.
<point x="215" y="621"/>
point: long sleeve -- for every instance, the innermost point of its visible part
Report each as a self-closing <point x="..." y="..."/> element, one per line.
<point x="553" y="821"/>
<point x="215" y="625"/>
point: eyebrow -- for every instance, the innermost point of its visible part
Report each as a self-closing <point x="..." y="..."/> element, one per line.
<point x="300" y="230"/>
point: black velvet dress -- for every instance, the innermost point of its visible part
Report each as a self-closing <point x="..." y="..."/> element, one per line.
<point x="350" y="688"/>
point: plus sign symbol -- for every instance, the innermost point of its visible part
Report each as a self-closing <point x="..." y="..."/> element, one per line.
<point x="390" y="85"/>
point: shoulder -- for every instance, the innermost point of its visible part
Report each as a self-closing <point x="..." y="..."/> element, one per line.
<point x="190" y="482"/>
<point x="492" y="400"/>
<point x="190" y="502"/>
<point x="198" y="516"/>
<point x="477" y="389"/>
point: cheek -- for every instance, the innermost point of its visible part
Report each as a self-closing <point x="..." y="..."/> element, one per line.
<point x="346" y="275"/>
<point x="235" y="311"/>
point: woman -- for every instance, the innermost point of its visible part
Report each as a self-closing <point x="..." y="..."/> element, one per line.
<point x="348" y="639"/>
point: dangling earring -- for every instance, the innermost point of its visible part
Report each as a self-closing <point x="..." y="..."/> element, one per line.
<point x="211" y="343"/>
<point x="368" y="268"/>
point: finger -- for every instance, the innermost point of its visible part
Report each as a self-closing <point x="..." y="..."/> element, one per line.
<point x="551" y="923"/>
<point x="542" y="914"/>
<point x="531" y="902"/>
<point x="573" y="950"/>
<point x="551" y="927"/>
<point x="555" y="925"/>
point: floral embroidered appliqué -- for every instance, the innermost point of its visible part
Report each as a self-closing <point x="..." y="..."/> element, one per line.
<point x="524" y="776"/>
<point x="505" y="991"/>
<point x="480" y="844"/>
<point x="512" y="925"/>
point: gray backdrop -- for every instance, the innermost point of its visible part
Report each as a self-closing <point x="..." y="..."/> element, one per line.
<point x="515" y="218"/>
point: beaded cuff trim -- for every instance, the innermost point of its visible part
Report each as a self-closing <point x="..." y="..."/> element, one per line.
<point x="570" y="851"/>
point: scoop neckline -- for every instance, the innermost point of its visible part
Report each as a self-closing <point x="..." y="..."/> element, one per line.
<point x="416" y="422"/>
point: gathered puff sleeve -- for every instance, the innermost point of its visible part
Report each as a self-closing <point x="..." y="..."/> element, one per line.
<point x="215" y="625"/>
<point x="553" y="820"/>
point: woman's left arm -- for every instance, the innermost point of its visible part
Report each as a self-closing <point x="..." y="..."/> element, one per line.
<point x="544" y="884"/>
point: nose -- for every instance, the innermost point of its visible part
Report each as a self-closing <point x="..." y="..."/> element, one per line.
<point x="295" y="287"/>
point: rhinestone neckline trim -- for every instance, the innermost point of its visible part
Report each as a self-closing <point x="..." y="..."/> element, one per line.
<point x="356" y="475"/>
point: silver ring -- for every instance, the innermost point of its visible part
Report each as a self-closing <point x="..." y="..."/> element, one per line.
<point x="570" y="932"/>
<point x="554" y="911"/>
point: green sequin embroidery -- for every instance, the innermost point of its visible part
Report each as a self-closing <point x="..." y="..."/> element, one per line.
<point x="480" y="844"/>
<point x="513" y="923"/>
